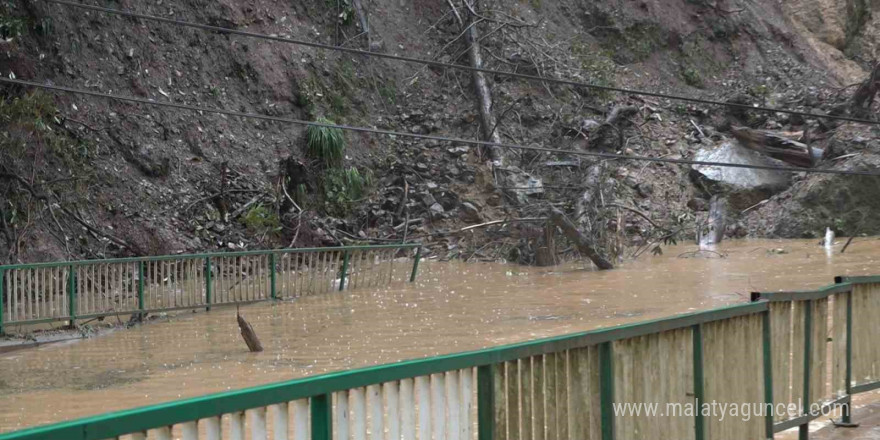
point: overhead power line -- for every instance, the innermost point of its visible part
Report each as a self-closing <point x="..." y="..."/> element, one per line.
<point x="428" y="137"/>
<point x="437" y="64"/>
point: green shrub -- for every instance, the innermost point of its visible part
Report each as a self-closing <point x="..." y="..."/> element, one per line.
<point x="261" y="220"/>
<point x="326" y="144"/>
<point x="342" y="187"/>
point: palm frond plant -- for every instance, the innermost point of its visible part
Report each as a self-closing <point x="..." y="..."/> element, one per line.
<point x="326" y="144"/>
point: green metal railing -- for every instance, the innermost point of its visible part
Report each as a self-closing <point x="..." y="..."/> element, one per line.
<point x="76" y="290"/>
<point x="561" y="387"/>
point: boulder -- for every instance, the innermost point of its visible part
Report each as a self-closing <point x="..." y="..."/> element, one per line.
<point x="743" y="186"/>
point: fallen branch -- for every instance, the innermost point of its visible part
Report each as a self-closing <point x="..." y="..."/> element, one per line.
<point x="848" y="241"/>
<point x="248" y="333"/>
<point x="635" y="211"/>
<point x="498" y="222"/>
<point x="558" y="218"/>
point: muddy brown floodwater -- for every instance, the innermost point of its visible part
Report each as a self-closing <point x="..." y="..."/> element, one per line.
<point x="453" y="307"/>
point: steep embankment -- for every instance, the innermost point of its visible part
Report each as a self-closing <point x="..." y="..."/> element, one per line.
<point x="86" y="177"/>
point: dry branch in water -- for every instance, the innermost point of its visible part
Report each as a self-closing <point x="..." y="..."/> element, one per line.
<point x="248" y="333"/>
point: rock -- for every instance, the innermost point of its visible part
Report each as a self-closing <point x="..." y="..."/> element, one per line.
<point x="698" y="204"/>
<point x="470" y="213"/>
<point x="520" y="184"/>
<point x="743" y="178"/>
<point x="588" y="125"/>
<point x="436" y="209"/>
<point x="458" y="151"/>
<point x="645" y="189"/>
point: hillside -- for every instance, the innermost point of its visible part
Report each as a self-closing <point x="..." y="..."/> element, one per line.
<point x="85" y="177"/>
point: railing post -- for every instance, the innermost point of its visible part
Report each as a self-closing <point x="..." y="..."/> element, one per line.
<point x="2" y="274"/>
<point x="606" y="390"/>
<point x="768" y="374"/>
<point x="485" y="402"/>
<point x="415" y="269"/>
<point x="846" y="416"/>
<point x="71" y="294"/>
<point x="699" y="383"/>
<point x="272" y="274"/>
<point x="141" y="288"/>
<point x="804" y="430"/>
<point x="322" y="417"/>
<point x="344" y="271"/>
<point x="208" y="283"/>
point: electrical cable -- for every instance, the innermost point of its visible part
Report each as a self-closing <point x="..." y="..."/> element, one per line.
<point x="429" y="137"/>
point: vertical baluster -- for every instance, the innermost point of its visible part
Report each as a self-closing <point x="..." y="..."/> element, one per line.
<point x="320" y="284"/>
<point x="161" y="294"/>
<point x="98" y="285"/>
<point x="257" y="423"/>
<point x="342" y="422"/>
<point x="453" y="406"/>
<point x="301" y="419"/>
<point x="377" y="425"/>
<point x="189" y="430"/>
<point x="279" y="421"/>
<point x="41" y="293"/>
<point x="163" y="433"/>
<point x="212" y="429"/>
<point x="28" y="289"/>
<point x="35" y="293"/>
<point x="466" y="381"/>
<point x="438" y="405"/>
<point x="12" y="291"/>
<point x="407" y="410"/>
<point x="358" y="414"/>
<point x="316" y="273"/>
<point x="374" y="269"/>
<point x="49" y="294"/>
<point x="423" y="388"/>
<point x="392" y="402"/>
<point x="79" y="277"/>
<point x="236" y="426"/>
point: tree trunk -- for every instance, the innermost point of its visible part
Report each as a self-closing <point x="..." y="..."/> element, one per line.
<point x="583" y="245"/>
<point x="545" y="255"/>
<point x="484" y="93"/>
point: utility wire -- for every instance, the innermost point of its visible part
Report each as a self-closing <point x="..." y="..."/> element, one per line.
<point x="430" y="63"/>
<point x="428" y="137"/>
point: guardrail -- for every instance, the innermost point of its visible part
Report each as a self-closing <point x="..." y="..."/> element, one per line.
<point x="67" y="291"/>
<point x="556" y="388"/>
<point x="801" y="325"/>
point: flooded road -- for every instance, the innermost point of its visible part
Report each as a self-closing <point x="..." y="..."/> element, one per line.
<point x="453" y="307"/>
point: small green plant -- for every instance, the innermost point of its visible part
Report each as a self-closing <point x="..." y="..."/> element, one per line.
<point x="692" y="77"/>
<point x="326" y="144"/>
<point x="261" y="220"/>
<point x="11" y="28"/>
<point x="300" y="195"/>
<point x="342" y="187"/>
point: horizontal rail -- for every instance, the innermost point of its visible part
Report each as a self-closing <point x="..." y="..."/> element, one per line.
<point x="857" y="280"/>
<point x="865" y="387"/>
<point x="805" y="295"/>
<point x="807" y="418"/>
<point x="124" y="422"/>
<point x="134" y="311"/>
<point x="209" y="255"/>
